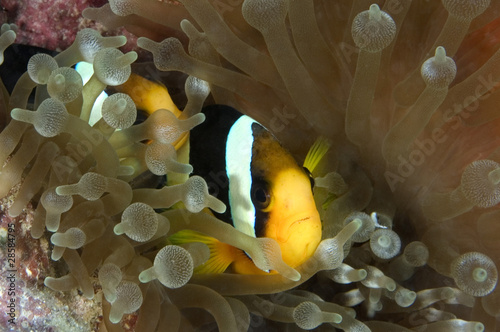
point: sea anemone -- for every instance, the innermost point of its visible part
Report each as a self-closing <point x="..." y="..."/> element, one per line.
<point x="405" y="94"/>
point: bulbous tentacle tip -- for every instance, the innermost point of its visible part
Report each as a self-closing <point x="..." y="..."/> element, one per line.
<point x="167" y="55"/>
<point x="7" y="38"/>
<point x="165" y="127"/>
<point x="373" y="29"/>
<point x="416" y="254"/>
<point x="307" y="315"/>
<point x="480" y="184"/>
<point x="405" y="298"/>
<point x="263" y="15"/>
<point x="110" y="277"/>
<point x="196" y="197"/>
<point x="267" y="256"/>
<point x="139" y="222"/>
<point x="173" y="267"/>
<point x="73" y="238"/>
<point x="123" y="7"/>
<point x="162" y="158"/>
<point x="465" y="9"/>
<point x="128" y="299"/>
<point x="367" y="227"/>
<point x="64" y="84"/>
<point x="345" y="274"/>
<point x="49" y="119"/>
<point x="196" y="89"/>
<point x="6" y="27"/>
<point x="385" y="243"/>
<point x="474" y="273"/>
<point x="91" y="187"/>
<point x="40" y="66"/>
<point x="89" y="42"/>
<point x="119" y="111"/>
<point x="439" y="71"/>
<point x="112" y="67"/>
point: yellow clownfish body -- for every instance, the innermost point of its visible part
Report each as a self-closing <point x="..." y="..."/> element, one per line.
<point x="149" y="96"/>
<point x="289" y="215"/>
<point x="267" y="193"/>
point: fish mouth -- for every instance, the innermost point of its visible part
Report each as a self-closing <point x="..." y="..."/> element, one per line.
<point x="290" y="229"/>
<point x="299" y="239"/>
<point x="299" y="221"/>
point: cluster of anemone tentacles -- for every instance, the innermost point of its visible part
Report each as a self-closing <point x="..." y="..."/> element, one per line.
<point x="408" y="194"/>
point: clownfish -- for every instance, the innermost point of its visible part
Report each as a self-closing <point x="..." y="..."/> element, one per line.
<point x="267" y="193"/>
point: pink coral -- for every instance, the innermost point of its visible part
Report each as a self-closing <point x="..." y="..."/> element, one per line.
<point x="53" y="24"/>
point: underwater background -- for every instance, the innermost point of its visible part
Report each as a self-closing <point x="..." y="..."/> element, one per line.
<point x="405" y="94"/>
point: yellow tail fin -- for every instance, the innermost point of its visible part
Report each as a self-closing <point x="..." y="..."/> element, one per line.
<point x="221" y="254"/>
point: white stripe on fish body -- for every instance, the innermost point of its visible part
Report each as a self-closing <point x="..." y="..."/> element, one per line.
<point x="238" y="160"/>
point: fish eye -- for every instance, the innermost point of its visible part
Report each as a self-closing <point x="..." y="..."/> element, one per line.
<point x="260" y="195"/>
<point x="310" y="176"/>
